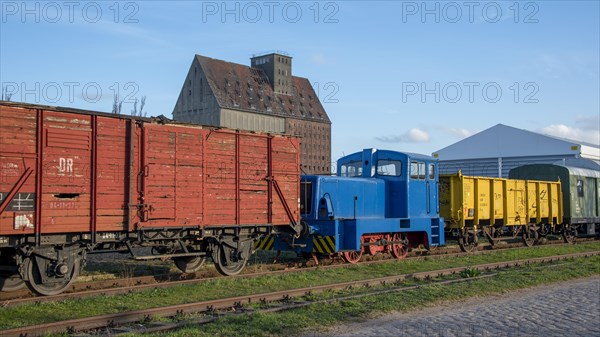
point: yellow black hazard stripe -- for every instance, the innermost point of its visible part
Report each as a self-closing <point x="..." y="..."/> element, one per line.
<point x="324" y="244"/>
<point x="265" y="243"/>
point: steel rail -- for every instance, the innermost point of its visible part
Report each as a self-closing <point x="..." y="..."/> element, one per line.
<point x="109" y="320"/>
<point x="138" y="284"/>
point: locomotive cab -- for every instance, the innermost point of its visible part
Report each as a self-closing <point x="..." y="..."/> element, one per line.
<point x="379" y="201"/>
<point x="411" y="180"/>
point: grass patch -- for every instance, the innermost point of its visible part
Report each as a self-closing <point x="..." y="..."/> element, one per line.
<point x="30" y="314"/>
<point x="317" y="316"/>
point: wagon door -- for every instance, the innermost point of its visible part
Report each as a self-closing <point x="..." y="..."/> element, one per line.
<point x="158" y="173"/>
<point x="171" y="176"/>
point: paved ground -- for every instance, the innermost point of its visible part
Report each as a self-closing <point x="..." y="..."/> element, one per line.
<point x="564" y="309"/>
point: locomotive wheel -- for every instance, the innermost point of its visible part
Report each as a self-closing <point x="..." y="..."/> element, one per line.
<point x="530" y="236"/>
<point x="371" y="249"/>
<point x="398" y="250"/>
<point x="352" y="256"/>
<point x="11" y="281"/>
<point x="237" y="260"/>
<point x="467" y="241"/>
<point x="189" y="264"/>
<point x="57" y="281"/>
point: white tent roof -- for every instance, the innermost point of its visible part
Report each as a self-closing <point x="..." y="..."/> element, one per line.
<point x="506" y="141"/>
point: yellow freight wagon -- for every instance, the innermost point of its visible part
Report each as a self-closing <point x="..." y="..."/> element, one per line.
<point x="498" y="208"/>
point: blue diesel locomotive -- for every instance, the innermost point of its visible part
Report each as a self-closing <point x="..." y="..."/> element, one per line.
<point x="380" y="201"/>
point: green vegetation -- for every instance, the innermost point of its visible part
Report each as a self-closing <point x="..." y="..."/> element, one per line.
<point x="470" y="272"/>
<point x="30" y="314"/>
<point x="315" y="317"/>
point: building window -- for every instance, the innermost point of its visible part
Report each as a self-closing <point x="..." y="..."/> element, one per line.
<point x="201" y="90"/>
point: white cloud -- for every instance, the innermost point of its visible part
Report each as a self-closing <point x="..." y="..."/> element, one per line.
<point x="459" y="133"/>
<point x="411" y="136"/>
<point x="587" y="133"/>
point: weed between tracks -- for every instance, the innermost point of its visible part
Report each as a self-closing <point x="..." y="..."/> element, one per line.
<point x="265" y="324"/>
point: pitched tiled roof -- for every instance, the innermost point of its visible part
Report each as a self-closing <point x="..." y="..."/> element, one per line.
<point x="241" y="87"/>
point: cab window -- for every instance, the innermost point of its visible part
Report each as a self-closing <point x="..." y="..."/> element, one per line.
<point x="431" y="172"/>
<point x="417" y="170"/>
<point x="306" y="193"/>
<point x="351" y="169"/>
<point x="389" y="168"/>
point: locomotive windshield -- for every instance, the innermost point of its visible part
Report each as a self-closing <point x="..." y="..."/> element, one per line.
<point x="352" y="169"/>
<point x="389" y="168"/>
<point x="306" y="191"/>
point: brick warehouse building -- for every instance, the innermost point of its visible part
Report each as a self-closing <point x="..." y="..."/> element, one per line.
<point x="262" y="97"/>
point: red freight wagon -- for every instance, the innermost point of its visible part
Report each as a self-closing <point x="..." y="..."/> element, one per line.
<point x="75" y="181"/>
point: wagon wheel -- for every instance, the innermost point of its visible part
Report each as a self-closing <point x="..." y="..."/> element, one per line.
<point x="11" y="281"/>
<point x="467" y="240"/>
<point x="491" y="233"/>
<point x="569" y="234"/>
<point x="530" y="236"/>
<point x="58" y="276"/>
<point x="398" y="250"/>
<point x="352" y="256"/>
<point x="189" y="264"/>
<point x="229" y="260"/>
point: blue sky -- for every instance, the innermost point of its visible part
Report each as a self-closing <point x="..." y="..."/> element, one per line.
<point x="388" y="73"/>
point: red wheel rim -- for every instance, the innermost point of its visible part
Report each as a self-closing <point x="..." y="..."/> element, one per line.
<point x="352" y="257"/>
<point x="371" y="249"/>
<point x="398" y="250"/>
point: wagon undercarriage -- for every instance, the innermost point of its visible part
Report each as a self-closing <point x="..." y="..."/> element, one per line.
<point x="51" y="268"/>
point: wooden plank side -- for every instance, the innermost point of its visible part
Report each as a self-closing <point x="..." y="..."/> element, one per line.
<point x="286" y="170"/>
<point x="18" y="130"/>
<point x="160" y="184"/>
<point x="113" y="174"/>
<point x="219" y="180"/>
<point x="189" y="177"/>
<point x="67" y="172"/>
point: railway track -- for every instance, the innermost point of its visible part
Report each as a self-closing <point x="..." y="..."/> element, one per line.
<point x="112" y="320"/>
<point x="142" y="283"/>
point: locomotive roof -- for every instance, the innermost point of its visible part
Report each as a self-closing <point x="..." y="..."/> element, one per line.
<point x="412" y="155"/>
<point x="160" y="119"/>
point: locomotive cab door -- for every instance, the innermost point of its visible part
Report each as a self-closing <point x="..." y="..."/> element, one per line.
<point x="433" y="206"/>
<point x="419" y="190"/>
